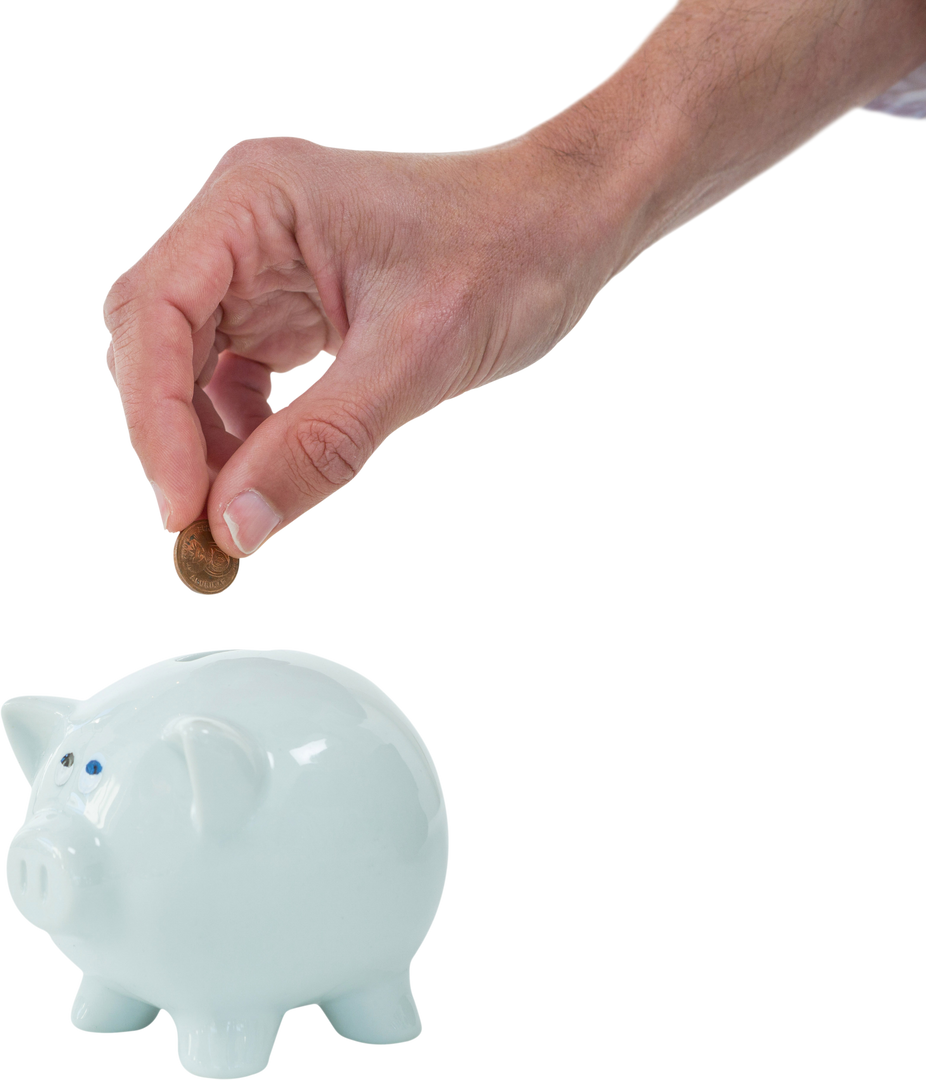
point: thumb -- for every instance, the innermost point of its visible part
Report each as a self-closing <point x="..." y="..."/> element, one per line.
<point x="298" y="457"/>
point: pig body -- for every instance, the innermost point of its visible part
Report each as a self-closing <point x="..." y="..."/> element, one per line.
<point x="227" y="836"/>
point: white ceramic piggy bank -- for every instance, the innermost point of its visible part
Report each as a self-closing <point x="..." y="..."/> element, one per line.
<point x="227" y="836"/>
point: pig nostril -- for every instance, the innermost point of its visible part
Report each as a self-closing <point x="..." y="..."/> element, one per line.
<point x="23" y="877"/>
<point x="43" y="883"/>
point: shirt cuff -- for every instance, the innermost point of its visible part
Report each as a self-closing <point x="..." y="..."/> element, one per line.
<point x="906" y="98"/>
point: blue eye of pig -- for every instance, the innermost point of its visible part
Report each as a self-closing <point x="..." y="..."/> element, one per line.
<point x="94" y="767"/>
<point x="67" y="761"/>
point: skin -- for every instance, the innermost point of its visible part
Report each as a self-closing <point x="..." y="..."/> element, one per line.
<point x="428" y="275"/>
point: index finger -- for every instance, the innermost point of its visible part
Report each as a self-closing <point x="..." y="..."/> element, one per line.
<point x="153" y="312"/>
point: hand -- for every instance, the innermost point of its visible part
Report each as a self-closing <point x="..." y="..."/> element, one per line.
<point x="426" y="275"/>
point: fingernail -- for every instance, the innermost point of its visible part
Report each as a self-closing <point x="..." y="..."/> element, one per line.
<point x="250" y="520"/>
<point x="163" y="504"/>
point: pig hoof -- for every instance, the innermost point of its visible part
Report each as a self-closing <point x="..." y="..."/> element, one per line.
<point x="99" y="1008"/>
<point x="231" y="1048"/>
<point x="384" y="1013"/>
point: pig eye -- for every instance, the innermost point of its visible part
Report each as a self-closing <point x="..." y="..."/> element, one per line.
<point x="91" y="776"/>
<point x="63" y="769"/>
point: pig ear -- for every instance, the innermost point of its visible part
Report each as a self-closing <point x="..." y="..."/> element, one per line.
<point x="228" y="770"/>
<point x="33" y="724"/>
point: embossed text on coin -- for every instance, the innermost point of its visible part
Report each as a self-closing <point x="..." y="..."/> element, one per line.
<point x="202" y="565"/>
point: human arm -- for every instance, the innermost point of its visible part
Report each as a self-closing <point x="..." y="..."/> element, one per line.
<point x="712" y="97"/>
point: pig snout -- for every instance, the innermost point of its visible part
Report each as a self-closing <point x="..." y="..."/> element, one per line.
<point x="39" y="886"/>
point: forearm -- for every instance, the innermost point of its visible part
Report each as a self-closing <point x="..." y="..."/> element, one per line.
<point x="718" y="93"/>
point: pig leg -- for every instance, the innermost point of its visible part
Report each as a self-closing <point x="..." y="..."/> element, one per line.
<point x="226" y="1046"/>
<point x="98" y="1007"/>
<point x="382" y="1013"/>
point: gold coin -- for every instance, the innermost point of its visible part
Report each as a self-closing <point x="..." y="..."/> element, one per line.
<point x="202" y="565"/>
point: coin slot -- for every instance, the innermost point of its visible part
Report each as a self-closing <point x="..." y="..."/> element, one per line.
<point x="199" y="655"/>
<point x="43" y="883"/>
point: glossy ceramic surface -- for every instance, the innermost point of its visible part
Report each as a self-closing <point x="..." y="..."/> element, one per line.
<point x="227" y="836"/>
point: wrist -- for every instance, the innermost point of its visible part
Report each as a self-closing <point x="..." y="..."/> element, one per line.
<point x="602" y="187"/>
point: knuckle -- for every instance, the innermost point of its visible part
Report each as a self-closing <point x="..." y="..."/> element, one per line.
<point x="243" y="147"/>
<point x="335" y="450"/>
<point x="118" y="300"/>
<point x="266" y="167"/>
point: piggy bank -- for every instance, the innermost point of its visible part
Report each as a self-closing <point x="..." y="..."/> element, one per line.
<point x="227" y="836"/>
